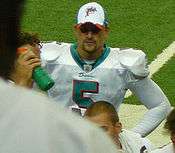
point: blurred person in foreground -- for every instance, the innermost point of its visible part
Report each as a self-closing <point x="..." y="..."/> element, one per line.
<point x="170" y="127"/>
<point x="30" y="123"/>
<point x="89" y="71"/>
<point x="106" y="117"/>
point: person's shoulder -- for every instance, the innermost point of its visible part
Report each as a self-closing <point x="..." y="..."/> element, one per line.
<point x="130" y="56"/>
<point x="134" y="60"/>
<point x="169" y="148"/>
<point x="130" y="133"/>
<point x="137" y="140"/>
<point x="52" y="50"/>
<point x="54" y="45"/>
<point x="135" y="135"/>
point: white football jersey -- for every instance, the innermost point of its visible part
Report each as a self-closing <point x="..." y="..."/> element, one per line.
<point x="82" y="84"/>
<point x="79" y="83"/>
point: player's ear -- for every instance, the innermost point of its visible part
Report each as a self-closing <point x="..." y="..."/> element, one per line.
<point x="118" y="127"/>
<point x="107" y="29"/>
<point x="76" y="31"/>
<point x="106" y="32"/>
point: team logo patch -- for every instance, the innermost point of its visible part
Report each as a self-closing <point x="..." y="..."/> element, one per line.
<point x="87" y="67"/>
<point x="90" y="10"/>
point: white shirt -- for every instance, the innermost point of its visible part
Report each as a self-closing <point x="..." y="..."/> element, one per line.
<point x="30" y="123"/>
<point x="170" y="148"/>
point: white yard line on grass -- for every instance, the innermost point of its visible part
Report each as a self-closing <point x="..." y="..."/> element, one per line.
<point x="159" y="61"/>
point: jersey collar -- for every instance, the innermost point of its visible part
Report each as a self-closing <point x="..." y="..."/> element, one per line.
<point x="82" y="63"/>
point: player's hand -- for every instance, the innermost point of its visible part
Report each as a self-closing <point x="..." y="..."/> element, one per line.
<point x="24" y="65"/>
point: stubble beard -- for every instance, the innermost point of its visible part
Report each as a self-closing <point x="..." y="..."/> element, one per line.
<point x="89" y="49"/>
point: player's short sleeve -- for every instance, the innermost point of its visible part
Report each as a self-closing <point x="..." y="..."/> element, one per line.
<point x="135" y="61"/>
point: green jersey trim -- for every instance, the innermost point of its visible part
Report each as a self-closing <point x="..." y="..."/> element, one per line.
<point x="81" y="63"/>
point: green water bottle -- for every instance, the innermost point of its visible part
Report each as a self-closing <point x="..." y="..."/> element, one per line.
<point x="42" y="79"/>
<point x="39" y="75"/>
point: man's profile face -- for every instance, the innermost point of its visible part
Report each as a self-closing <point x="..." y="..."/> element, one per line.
<point x="90" y="38"/>
<point x="104" y="122"/>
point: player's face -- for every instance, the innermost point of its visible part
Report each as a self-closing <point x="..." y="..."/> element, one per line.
<point x="91" y="38"/>
<point x="105" y="123"/>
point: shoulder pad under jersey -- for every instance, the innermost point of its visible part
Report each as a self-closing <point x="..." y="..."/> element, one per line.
<point x="135" y="61"/>
<point x="50" y="51"/>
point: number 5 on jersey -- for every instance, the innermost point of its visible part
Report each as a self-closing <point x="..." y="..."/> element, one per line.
<point x="79" y="88"/>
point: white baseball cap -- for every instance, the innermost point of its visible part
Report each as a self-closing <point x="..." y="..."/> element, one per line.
<point x="92" y="12"/>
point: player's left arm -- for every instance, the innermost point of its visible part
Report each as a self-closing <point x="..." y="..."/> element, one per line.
<point x="155" y="101"/>
<point x="148" y="92"/>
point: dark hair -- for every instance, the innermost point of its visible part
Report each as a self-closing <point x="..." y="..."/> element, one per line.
<point x="28" y="38"/>
<point x="170" y="122"/>
<point x="10" y="14"/>
<point x="101" y="107"/>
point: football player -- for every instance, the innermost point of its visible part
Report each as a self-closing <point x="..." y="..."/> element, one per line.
<point x="89" y="71"/>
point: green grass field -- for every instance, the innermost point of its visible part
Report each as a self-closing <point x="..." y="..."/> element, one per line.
<point x="148" y="25"/>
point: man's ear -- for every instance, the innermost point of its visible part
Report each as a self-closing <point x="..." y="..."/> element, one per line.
<point x="106" y="33"/>
<point x="107" y="30"/>
<point x="75" y="31"/>
<point x="118" y="126"/>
